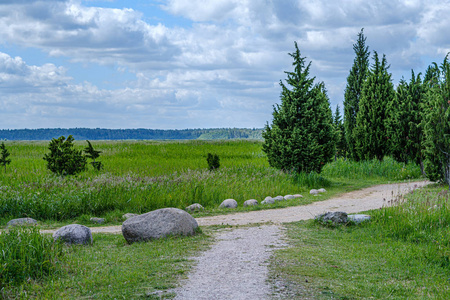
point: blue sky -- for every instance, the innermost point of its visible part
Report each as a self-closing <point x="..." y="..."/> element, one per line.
<point x="179" y="64"/>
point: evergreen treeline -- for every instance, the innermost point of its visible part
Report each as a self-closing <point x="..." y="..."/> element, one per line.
<point x="130" y="134"/>
<point x="410" y="123"/>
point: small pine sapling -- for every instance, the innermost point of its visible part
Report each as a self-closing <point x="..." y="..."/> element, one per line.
<point x="213" y="161"/>
<point x="4" y="156"/>
<point x="93" y="154"/>
<point x="63" y="158"/>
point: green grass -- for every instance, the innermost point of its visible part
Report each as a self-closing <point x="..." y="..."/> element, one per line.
<point x="403" y="253"/>
<point x="112" y="269"/>
<point x="141" y="176"/>
<point x="26" y="254"/>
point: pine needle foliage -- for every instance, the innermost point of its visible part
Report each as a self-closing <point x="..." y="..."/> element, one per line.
<point x="404" y="121"/>
<point x="301" y="136"/>
<point x="353" y="91"/>
<point x="4" y="154"/>
<point x="63" y="158"/>
<point x="437" y="124"/>
<point x="370" y="132"/>
<point x="93" y="154"/>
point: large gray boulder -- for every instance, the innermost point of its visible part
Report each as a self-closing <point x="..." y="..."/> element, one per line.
<point x="228" y="203"/>
<point x="250" y="202"/>
<point x="333" y="217"/>
<point x="158" y="224"/>
<point x="74" y="234"/>
<point x="21" y="222"/>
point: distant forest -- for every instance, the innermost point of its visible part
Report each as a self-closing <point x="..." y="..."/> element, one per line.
<point x="130" y="134"/>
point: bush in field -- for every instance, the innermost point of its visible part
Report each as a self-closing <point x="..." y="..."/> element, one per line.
<point x="63" y="158"/>
<point x="4" y="156"/>
<point x="93" y="154"/>
<point x="213" y="161"/>
<point x="26" y="254"/>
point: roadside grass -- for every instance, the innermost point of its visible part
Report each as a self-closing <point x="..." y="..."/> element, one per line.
<point x="140" y="176"/>
<point x="403" y="253"/>
<point x="112" y="269"/>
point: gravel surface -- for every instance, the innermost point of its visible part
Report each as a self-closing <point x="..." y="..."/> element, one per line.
<point x="235" y="266"/>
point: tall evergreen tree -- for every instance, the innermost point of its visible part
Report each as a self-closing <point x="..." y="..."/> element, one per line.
<point x="301" y="137"/>
<point x="341" y="143"/>
<point x="404" y="119"/>
<point x="370" y="131"/>
<point x="353" y="91"/>
<point x="437" y="124"/>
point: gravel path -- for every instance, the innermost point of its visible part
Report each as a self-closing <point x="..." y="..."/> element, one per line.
<point x="235" y="267"/>
<point x="365" y="199"/>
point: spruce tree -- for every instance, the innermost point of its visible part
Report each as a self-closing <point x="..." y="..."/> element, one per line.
<point x="341" y="144"/>
<point x="93" y="154"/>
<point x="370" y="132"/>
<point x="301" y="137"/>
<point x="404" y="119"/>
<point x="353" y="91"/>
<point x="437" y="124"/>
<point x="63" y="159"/>
<point x="4" y="160"/>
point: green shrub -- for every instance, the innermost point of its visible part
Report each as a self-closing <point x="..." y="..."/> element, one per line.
<point x="26" y="254"/>
<point x="213" y="161"/>
<point x="63" y="159"/>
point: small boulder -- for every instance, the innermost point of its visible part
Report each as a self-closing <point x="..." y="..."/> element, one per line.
<point x="129" y="215"/>
<point x="228" y="203"/>
<point x="158" y="224"/>
<point x="298" y="196"/>
<point x="21" y="222"/>
<point x="322" y="190"/>
<point x="97" y="220"/>
<point x="289" y="197"/>
<point x="333" y="217"/>
<point x="358" y="218"/>
<point x="314" y="192"/>
<point x="268" y="200"/>
<point x="250" y="202"/>
<point x="279" y="198"/>
<point x="74" y="234"/>
<point x="195" y="207"/>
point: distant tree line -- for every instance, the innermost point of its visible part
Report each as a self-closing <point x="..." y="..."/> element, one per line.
<point x="130" y="134"/>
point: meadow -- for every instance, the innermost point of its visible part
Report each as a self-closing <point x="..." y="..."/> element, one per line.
<point x="140" y="176"/>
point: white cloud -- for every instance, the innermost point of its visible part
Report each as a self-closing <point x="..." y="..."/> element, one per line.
<point x="227" y="62"/>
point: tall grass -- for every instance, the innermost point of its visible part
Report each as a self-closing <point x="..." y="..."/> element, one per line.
<point x="422" y="218"/>
<point x="139" y="176"/>
<point x="26" y="254"/>
<point x="387" y="169"/>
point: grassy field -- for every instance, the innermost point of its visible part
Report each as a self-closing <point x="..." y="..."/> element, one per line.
<point x="142" y="176"/>
<point x="403" y="253"/>
<point x="146" y="175"/>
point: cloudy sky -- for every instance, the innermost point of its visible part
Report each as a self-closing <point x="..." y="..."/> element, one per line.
<point x="179" y="64"/>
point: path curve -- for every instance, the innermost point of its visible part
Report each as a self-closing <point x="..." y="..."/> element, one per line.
<point x="356" y="201"/>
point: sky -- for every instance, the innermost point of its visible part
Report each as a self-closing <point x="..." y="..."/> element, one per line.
<point x="177" y="64"/>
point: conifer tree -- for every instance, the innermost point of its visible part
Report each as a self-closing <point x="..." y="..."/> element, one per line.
<point x="437" y="124"/>
<point x="93" y="154"/>
<point x="370" y="131"/>
<point x="403" y="123"/>
<point x="301" y="137"/>
<point x="4" y="160"/>
<point x="353" y="91"/>
<point x="341" y="144"/>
